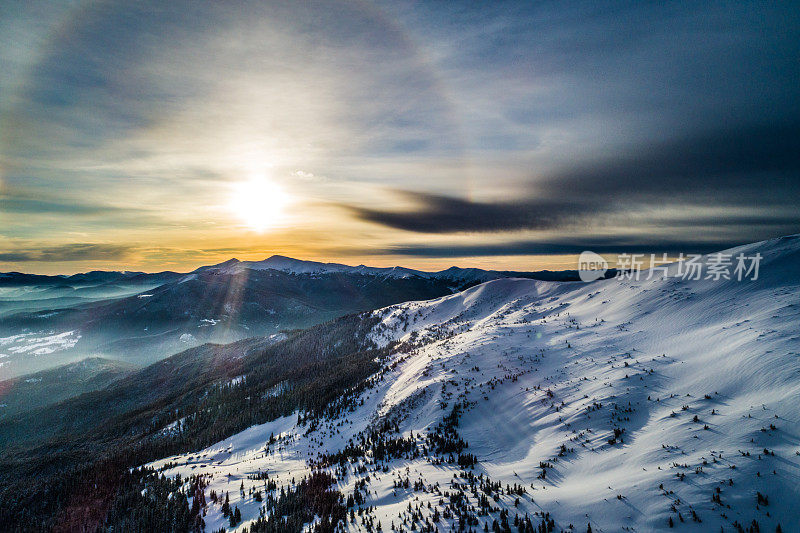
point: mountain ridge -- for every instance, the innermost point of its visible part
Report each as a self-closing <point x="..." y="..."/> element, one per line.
<point x="623" y="403"/>
<point x="144" y="317"/>
<point x="300" y="266"/>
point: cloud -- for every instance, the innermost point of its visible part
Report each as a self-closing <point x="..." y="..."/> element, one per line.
<point x="590" y="117"/>
<point x="751" y="165"/>
<point x="616" y="245"/>
<point x="27" y="205"/>
<point x="741" y="162"/>
<point x="444" y="214"/>
<point x="70" y="252"/>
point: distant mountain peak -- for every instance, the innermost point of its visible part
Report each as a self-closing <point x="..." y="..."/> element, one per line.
<point x="292" y="265"/>
<point x="458" y="277"/>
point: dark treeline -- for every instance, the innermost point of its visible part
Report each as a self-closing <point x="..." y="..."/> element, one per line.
<point x="293" y="508"/>
<point x="76" y="480"/>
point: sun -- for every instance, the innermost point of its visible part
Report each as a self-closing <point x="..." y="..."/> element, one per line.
<point x="259" y="203"/>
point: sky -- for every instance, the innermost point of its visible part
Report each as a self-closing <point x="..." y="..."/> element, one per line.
<point x="513" y="135"/>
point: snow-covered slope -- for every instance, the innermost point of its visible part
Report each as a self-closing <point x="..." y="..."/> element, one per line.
<point x="623" y="404"/>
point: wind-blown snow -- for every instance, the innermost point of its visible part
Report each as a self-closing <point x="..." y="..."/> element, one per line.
<point x="39" y="343"/>
<point x="701" y="379"/>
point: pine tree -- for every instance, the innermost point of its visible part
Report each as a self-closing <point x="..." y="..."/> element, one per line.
<point x="226" y="507"/>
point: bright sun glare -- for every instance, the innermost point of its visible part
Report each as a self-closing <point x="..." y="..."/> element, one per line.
<point x="259" y="203"/>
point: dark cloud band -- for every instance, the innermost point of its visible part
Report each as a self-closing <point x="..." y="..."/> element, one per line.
<point x="598" y="245"/>
<point x="69" y="252"/>
<point x="755" y="166"/>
